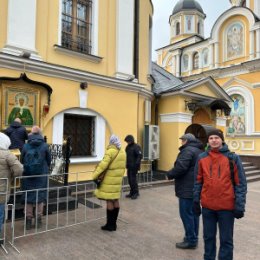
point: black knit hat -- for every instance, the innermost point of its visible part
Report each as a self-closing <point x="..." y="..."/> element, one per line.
<point x="129" y="139"/>
<point x="217" y="132"/>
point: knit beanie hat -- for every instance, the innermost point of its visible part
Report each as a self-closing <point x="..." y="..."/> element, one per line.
<point x="217" y="132"/>
<point x="115" y="141"/>
<point x="189" y="137"/>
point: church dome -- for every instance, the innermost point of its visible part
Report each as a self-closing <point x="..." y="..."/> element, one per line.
<point x="184" y="5"/>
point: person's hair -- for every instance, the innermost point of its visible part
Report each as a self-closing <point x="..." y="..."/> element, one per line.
<point x="36" y="130"/>
<point x="17" y="119"/>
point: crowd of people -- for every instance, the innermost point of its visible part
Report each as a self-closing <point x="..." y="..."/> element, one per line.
<point x="208" y="180"/>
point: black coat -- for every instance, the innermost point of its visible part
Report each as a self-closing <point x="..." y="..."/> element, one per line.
<point x="17" y="134"/>
<point x="133" y="156"/>
<point x="36" y="140"/>
<point x="183" y="170"/>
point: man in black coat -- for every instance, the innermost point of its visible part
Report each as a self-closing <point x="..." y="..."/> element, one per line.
<point x="17" y="134"/>
<point x="183" y="173"/>
<point x="133" y="163"/>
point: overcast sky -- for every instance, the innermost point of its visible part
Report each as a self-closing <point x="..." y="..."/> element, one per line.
<point x="163" y="9"/>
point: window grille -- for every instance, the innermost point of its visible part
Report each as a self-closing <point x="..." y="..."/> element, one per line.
<point x="77" y="25"/>
<point x="82" y="131"/>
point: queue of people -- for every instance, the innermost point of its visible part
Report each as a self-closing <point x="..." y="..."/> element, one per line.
<point x="208" y="181"/>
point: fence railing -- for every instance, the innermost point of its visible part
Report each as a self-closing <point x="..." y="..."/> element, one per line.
<point x="65" y="205"/>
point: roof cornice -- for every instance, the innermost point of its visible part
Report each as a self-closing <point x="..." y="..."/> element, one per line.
<point x="53" y="70"/>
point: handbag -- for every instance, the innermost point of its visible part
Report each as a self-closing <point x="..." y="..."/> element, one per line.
<point x="101" y="176"/>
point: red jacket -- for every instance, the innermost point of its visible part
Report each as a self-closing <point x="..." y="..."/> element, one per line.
<point x="214" y="185"/>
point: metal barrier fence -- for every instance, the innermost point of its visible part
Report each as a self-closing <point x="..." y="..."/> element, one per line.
<point x="66" y="205"/>
<point x="4" y="187"/>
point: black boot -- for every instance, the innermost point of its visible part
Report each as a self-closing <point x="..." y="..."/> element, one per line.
<point x="28" y="224"/>
<point x="115" y="212"/>
<point x="109" y="224"/>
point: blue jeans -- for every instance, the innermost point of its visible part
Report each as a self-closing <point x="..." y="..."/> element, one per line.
<point x="225" y="220"/>
<point x="2" y="215"/>
<point x="189" y="220"/>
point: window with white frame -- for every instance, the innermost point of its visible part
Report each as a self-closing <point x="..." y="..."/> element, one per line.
<point x="87" y="131"/>
<point x="77" y="22"/>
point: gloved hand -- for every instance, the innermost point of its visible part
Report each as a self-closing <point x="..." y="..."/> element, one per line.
<point x="238" y="214"/>
<point x="196" y="208"/>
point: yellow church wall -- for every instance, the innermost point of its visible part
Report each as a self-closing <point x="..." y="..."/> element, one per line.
<point x="171" y="104"/>
<point x="3" y="22"/>
<point x="170" y="144"/>
<point x="146" y="12"/>
<point x="204" y="90"/>
<point x="47" y="37"/>
<point x="244" y="21"/>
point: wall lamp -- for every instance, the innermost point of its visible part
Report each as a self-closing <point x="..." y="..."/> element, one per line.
<point x="191" y="105"/>
<point x="83" y="85"/>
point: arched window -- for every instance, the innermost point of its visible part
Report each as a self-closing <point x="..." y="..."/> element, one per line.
<point x="199" y="28"/>
<point x="177" y="27"/>
<point x="185" y="62"/>
<point x="205" y="57"/>
<point x="195" y="60"/>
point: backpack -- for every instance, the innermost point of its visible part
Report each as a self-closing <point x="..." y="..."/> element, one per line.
<point x="33" y="161"/>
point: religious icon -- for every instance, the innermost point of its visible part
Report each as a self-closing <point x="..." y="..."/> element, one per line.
<point x="235" y="41"/>
<point x="20" y="103"/>
<point x="21" y="110"/>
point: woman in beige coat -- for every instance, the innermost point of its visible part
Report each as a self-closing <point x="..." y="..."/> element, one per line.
<point x="10" y="167"/>
<point x="113" y="163"/>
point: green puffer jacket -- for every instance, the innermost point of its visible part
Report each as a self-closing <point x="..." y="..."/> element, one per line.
<point x="10" y="168"/>
<point x="110" y="187"/>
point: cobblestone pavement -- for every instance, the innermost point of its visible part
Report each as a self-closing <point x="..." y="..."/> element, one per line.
<point x="148" y="228"/>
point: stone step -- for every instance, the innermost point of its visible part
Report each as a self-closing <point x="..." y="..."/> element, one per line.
<point x="246" y="168"/>
<point x="252" y="173"/>
<point x="253" y="178"/>
<point x="246" y="163"/>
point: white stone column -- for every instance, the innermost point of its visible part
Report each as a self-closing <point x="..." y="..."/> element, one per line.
<point x="190" y="65"/>
<point x="252" y="45"/>
<point x="173" y="69"/>
<point x="258" y="43"/>
<point x="211" y="55"/>
<point x="21" y="30"/>
<point x="178" y="60"/>
<point x="216" y="54"/>
<point x="124" y="39"/>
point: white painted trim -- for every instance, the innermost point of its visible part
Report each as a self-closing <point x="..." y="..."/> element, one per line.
<point x="124" y="38"/>
<point x="224" y="43"/>
<point x="176" y="118"/>
<point x="243" y="146"/>
<point x="95" y="10"/>
<point x="100" y="129"/>
<point x="249" y="106"/>
<point x="60" y="22"/>
<point x="57" y="71"/>
<point x="235" y="81"/>
<point x="221" y="121"/>
<point x="94" y="32"/>
<point x="231" y="12"/>
<point x="76" y="54"/>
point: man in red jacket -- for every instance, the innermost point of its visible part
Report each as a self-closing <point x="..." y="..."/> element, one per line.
<point x="220" y="187"/>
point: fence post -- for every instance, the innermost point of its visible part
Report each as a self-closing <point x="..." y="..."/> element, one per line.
<point x="66" y="155"/>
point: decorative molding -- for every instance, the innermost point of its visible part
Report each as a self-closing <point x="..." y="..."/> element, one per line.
<point x="221" y="121"/>
<point x="176" y="118"/>
<point x="100" y="129"/>
<point x="242" y="145"/>
<point x="57" y="71"/>
<point x="234" y="81"/>
<point x="249" y="106"/>
<point x="76" y="54"/>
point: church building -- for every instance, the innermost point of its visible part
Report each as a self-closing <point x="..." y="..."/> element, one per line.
<point x="210" y="82"/>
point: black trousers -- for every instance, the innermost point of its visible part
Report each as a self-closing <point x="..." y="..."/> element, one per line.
<point x="132" y="180"/>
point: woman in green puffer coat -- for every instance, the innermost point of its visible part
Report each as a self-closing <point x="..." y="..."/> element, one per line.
<point x="113" y="163"/>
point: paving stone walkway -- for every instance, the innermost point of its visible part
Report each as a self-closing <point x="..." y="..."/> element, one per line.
<point x="148" y="228"/>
